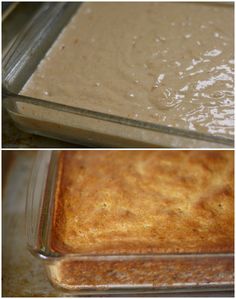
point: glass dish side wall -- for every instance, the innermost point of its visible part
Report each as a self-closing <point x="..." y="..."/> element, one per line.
<point x="35" y="195"/>
<point x="150" y="274"/>
<point x="21" y="58"/>
<point x="120" y="274"/>
<point x="78" y="125"/>
<point x="96" y="129"/>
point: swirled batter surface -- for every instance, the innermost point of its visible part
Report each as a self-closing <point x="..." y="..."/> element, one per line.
<point x="165" y="63"/>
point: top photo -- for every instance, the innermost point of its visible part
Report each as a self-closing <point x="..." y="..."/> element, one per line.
<point x="118" y="74"/>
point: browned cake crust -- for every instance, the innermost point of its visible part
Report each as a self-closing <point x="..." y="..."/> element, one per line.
<point x="172" y="272"/>
<point x="144" y="202"/>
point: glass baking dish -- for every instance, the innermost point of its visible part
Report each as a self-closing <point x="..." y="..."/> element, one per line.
<point x="77" y="125"/>
<point x="121" y="274"/>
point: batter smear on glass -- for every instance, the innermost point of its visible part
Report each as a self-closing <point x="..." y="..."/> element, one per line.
<point x="164" y="63"/>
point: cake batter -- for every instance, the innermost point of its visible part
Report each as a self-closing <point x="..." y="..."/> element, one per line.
<point x="164" y="63"/>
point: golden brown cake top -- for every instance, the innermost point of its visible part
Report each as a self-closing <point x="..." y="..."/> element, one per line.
<point x="139" y="201"/>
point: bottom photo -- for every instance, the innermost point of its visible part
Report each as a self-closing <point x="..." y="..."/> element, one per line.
<point x="118" y="223"/>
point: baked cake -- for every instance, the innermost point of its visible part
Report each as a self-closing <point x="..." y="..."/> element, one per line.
<point x="173" y="210"/>
<point x="125" y="202"/>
